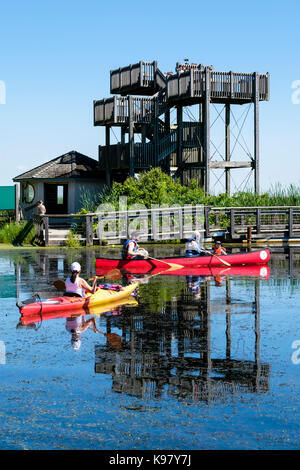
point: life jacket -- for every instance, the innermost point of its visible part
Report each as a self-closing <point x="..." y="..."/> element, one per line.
<point x="190" y="248"/>
<point x="125" y="254"/>
<point x="219" y="251"/>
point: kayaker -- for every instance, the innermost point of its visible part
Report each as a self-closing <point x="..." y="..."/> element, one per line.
<point x="131" y="250"/>
<point x="75" y="285"/>
<point x="76" y="326"/>
<point x="193" y="247"/>
<point x="193" y="284"/>
<point x="218" y="249"/>
<point x="218" y="281"/>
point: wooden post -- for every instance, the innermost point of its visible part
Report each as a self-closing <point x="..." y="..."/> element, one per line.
<point x="131" y="136"/>
<point x="155" y="135"/>
<point x="232" y="223"/>
<point x="207" y="131"/>
<point x="180" y="223"/>
<point x="46" y="222"/>
<point x="89" y="230"/>
<point x="201" y="143"/>
<point x="179" y="140"/>
<point x="168" y="130"/>
<point x="100" y="228"/>
<point x="123" y="136"/>
<point x="227" y="146"/>
<point x="258" y="220"/>
<point x="127" y="225"/>
<point x="256" y="133"/>
<point x="206" y="222"/>
<point x="107" y="155"/>
<point x="291" y="214"/>
<point x="154" y="224"/>
<point x="249" y="234"/>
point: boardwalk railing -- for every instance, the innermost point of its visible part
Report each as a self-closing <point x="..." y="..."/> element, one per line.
<point x="168" y="223"/>
<point x="272" y="222"/>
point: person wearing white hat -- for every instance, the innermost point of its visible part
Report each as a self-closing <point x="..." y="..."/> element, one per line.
<point x="193" y="246"/>
<point x="75" y="285"/>
<point x="76" y="325"/>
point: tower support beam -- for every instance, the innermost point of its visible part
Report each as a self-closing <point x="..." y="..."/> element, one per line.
<point x="207" y="131"/>
<point x="256" y="133"/>
<point x="227" y="147"/>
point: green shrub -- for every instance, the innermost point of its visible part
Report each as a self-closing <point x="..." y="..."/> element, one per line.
<point x="73" y="240"/>
<point x="156" y="187"/>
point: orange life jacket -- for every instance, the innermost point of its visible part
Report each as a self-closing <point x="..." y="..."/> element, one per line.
<point x="218" y="251"/>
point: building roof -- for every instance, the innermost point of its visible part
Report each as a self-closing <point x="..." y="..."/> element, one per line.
<point x="71" y="165"/>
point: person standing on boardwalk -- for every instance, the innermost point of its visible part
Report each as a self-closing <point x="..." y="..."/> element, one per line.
<point x="41" y="209"/>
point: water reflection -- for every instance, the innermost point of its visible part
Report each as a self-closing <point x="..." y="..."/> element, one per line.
<point x="167" y="345"/>
<point x="172" y="353"/>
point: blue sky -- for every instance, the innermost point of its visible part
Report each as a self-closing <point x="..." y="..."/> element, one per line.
<point x="56" y="57"/>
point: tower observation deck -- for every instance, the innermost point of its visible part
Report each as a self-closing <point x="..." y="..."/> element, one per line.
<point x="143" y="99"/>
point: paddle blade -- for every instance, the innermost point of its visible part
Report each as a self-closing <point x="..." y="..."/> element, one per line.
<point x="114" y="275"/>
<point x="175" y="266"/>
<point x="114" y="340"/>
<point x="59" y="284"/>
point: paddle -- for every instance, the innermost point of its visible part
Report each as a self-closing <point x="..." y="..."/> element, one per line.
<point x="172" y="265"/>
<point x="220" y="259"/>
<point x="59" y="284"/>
<point x="172" y="268"/>
<point x="114" y="339"/>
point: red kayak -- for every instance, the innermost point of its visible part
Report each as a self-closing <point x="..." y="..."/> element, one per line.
<point x="36" y="318"/>
<point x="69" y="304"/>
<point x="262" y="271"/>
<point x="145" y="265"/>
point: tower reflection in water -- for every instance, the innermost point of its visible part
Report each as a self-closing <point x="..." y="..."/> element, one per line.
<point x="171" y="352"/>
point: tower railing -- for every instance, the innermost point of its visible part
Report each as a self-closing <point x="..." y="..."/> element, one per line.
<point x="116" y="110"/>
<point x="139" y="78"/>
<point x="223" y="85"/>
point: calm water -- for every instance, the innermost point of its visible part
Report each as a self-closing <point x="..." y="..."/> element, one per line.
<point x="205" y="363"/>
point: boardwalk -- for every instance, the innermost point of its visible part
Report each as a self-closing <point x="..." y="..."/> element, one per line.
<point x="175" y="223"/>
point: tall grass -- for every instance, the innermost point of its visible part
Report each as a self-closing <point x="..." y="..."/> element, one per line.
<point x="17" y="232"/>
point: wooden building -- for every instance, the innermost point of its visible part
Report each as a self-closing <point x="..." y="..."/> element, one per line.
<point x="142" y="101"/>
<point x="60" y="183"/>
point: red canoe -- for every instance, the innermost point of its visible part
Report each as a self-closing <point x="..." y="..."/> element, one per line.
<point x="262" y="271"/>
<point x="146" y="265"/>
